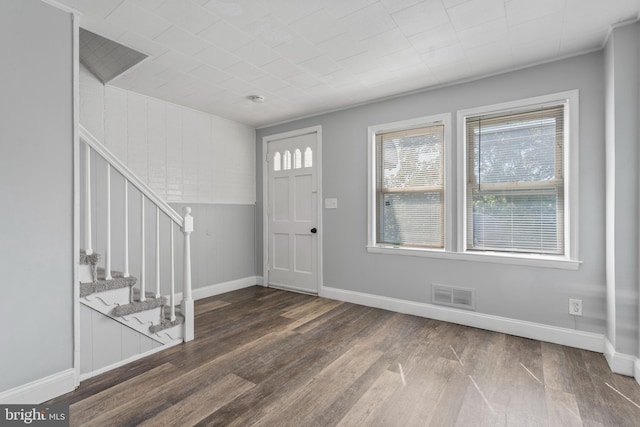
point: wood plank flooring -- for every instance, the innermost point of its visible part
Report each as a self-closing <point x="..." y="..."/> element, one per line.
<point x="267" y="357"/>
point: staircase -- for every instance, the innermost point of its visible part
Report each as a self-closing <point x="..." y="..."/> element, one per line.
<point x="119" y="308"/>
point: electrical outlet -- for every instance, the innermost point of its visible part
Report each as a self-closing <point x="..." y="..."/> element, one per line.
<point x="575" y="307"/>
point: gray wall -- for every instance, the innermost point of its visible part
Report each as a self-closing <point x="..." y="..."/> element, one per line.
<point x="622" y="188"/>
<point x="222" y="244"/>
<point x="36" y="184"/>
<point x="518" y="292"/>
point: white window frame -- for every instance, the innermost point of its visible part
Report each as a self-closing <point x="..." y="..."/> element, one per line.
<point x="455" y="170"/>
<point x="373" y="131"/>
<point x="569" y="259"/>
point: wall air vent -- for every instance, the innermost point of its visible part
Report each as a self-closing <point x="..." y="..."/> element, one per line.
<point x="453" y="296"/>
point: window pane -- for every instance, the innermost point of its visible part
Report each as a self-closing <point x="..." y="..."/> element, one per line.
<point x="410" y="187"/>
<point x="297" y="159"/>
<point x="412" y="161"/>
<point x="515" y="151"/>
<point x="308" y="158"/>
<point x="286" y="160"/>
<point x="412" y="219"/>
<point x="516" y="222"/>
<point x="276" y="161"/>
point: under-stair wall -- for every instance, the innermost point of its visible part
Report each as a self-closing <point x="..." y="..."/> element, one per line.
<point x="106" y="342"/>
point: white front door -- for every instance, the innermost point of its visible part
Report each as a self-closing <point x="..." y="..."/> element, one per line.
<point x="292" y="212"/>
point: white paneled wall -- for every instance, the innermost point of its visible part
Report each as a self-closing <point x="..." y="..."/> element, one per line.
<point x="183" y="154"/>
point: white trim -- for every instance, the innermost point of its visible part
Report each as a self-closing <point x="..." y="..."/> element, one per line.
<point x="493" y="258"/>
<point x="193" y="202"/>
<point x="222" y="287"/>
<point x="436" y="119"/>
<point x="563" y="336"/>
<point x="619" y="363"/>
<point x="62" y="7"/>
<point x="571" y="162"/>
<point x="265" y="198"/>
<point x="103" y="151"/>
<point x="291" y="289"/>
<point x="41" y="390"/>
<point x="637" y="370"/>
<point x="129" y="360"/>
<point x="76" y="198"/>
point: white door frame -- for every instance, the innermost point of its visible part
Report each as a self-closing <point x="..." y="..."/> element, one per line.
<point x="317" y="157"/>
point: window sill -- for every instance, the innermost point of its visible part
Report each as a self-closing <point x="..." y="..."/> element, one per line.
<point x="493" y="257"/>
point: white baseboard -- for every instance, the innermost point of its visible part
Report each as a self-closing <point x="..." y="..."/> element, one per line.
<point x="221" y="288"/>
<point x="129" y="360"/>
<point x="619" y="363"/>
<point x="41" y="390"/>
<point x="569" y="337"/>
<point x="637" y="370"/>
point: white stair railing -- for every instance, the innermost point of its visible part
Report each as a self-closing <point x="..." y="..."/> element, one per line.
<point x="185" y="223"/>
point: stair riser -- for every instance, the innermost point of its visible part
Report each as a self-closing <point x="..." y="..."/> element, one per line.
<point x="169" y="334"/>
<point x="148" y="316"/>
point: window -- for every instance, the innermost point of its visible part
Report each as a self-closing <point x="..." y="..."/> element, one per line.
<point x="516" y="197"/>
<point x="283" y="162"/>
<point x="409" y="183"/>
<point x="518" y="175"/>
<point x="515" y="185"/>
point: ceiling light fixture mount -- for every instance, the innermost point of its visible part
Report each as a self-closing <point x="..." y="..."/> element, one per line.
<point x="257" y="99"/>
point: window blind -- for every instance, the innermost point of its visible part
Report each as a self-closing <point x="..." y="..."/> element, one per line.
<point x="410" y="187"/>
<point x="515" y="189"/>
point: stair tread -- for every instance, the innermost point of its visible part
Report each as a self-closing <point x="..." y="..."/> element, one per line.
<point x="166" y="323"/>
<point x="150" y="303"/>
<point x="102" y="285"/>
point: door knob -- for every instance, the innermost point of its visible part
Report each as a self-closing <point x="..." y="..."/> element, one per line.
<point x="314" y="230"/>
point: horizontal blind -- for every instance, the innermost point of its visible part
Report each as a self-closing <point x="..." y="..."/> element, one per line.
<point x="515" y="188"/>
<point x="410" y="187"/>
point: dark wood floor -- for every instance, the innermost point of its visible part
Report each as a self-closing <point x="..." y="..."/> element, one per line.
<point x="273" y="358"/>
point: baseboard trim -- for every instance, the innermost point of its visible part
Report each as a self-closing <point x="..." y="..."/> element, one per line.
<point x="41" y="390"/>
<point x="553" y="334"/>
<point x="129" y="360"/>
<point x="637" y="370"/>
<point x="619" y="363"/>
<point x="221" y="288"/>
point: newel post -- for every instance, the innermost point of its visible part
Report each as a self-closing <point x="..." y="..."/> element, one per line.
<point x="187" y="299"/>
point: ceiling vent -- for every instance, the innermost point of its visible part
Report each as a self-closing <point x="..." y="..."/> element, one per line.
<point x="453" y="296"/>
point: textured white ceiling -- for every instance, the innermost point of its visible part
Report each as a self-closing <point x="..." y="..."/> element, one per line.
<point x="309" y="56"/>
